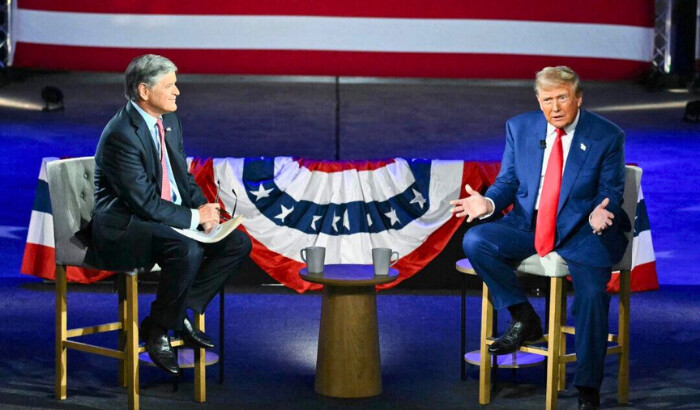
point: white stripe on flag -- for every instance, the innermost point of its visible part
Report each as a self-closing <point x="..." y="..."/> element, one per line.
<point x="346" y="186"/>
<point x="334" y="33"/>
<point x="40" y="230"/>
<point x="642" y="249"/>
<point x="42" y="170"/>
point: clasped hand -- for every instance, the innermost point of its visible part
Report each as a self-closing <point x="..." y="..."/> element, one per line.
<point x="209" y="216"/>
<point x="601" y="218"/>
<point x="473" y="206"/>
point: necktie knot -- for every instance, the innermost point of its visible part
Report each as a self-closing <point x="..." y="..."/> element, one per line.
<point x="561" y="132"/>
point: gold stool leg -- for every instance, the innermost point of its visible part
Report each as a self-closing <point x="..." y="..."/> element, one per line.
<point x="121" y="292"/>
<point x="200" y="375"/>
<point x="554" y="343"/>
<point x="562" y="344"/>
<point x="132" y="342"/>
<point x="485" y="358"/>
<point x="61" y="334"/>
<point x="623" y="338"/>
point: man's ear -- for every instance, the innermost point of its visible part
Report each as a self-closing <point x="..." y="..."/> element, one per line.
<point x="143" y="91"/>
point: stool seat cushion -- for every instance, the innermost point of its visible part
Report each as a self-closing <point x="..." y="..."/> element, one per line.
<point x="550" y="265"/>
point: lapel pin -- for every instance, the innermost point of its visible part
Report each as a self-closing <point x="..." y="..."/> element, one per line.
<point x="583" y="147"/>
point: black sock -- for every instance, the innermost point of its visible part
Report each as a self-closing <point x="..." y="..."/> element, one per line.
<point x="522" y="312"/>
<point x="589" y="394"/>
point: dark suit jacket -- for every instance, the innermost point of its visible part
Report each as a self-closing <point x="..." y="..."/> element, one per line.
<point x="594" y="170"/>
<point x="128" y="186"/>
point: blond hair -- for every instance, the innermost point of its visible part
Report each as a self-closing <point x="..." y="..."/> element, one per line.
<point x="550" y="77"/>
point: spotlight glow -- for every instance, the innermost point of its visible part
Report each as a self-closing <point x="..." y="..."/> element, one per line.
<point x="19" y="104"/>
<point x="672" y="105"/>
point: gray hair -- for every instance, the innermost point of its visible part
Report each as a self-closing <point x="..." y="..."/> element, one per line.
<point x="550" y="77"/>
<point x="147" y="69"/>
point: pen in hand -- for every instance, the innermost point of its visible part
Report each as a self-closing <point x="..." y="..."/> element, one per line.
<point x="223" y="214"/>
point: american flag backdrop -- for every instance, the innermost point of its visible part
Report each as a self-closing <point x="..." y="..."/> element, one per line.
<point x="601" y="39"/>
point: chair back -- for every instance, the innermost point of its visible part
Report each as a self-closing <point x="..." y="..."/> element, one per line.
<point x="633" y="181"/>
<point x="72" y="192"/>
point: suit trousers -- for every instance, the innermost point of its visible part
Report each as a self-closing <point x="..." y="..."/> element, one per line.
<point x="192" y="273"/>
<point x="494" y="248"/>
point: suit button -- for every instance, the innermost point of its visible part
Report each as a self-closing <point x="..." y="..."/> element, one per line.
<point x="86" y="176"/>
<point x="82" y="195"/>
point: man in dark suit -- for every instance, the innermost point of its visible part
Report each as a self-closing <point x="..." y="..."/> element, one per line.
<point x="563" y="170"/>
<point x="142" y="189"/>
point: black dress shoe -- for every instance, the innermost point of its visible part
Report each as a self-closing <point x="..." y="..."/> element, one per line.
<point x="518" y="333"/>
<point x="158" y="347"/>
<point x="194" y="337"/>
<point x="584" y="404"/>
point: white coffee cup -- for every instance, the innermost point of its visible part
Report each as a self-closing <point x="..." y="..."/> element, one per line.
<point x="315" y="258"/>
<point x="382" y="258"/>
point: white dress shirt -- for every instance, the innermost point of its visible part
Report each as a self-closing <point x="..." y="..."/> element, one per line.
<point x="565" y="144"/>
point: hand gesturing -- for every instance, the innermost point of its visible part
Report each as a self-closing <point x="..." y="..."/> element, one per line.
<point x="473" y="206"/>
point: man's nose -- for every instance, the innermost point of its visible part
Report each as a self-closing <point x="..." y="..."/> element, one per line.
<point x="176" y="91"/>
<point x="555" y="105"/>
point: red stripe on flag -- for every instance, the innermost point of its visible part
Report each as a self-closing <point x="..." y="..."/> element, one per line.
<point x="39" y="260"/>
<point x="328" y="63"/>
<point x="626" y="12"/>
<point x="338" y="166"/>
<point x="643" y="277"/>
<point x="202" y="169"/>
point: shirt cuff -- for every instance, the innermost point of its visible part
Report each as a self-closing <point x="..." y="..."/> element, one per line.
<point x="194" y="223"/>
<point x="493" y="209"/>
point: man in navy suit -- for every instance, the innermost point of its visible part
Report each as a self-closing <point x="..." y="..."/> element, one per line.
<point x="142" y="189"/>
<point x="586" y="154"/>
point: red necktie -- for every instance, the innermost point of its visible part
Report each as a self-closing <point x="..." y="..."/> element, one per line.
<point x="165" y="181"/>
<point x="549" y="200"/>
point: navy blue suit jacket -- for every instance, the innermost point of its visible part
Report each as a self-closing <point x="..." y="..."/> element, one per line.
<point x="594" y="170"/>
<point x="127" y="190"/>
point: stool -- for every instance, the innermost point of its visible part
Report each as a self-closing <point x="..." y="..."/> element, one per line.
<point x="513" y="361"/>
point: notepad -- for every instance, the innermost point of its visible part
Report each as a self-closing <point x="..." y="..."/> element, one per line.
<point x="216" y="234"/>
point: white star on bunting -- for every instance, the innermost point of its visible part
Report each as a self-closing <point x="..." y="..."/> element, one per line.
<point x="393" y="219"/>
<point x="261" y="192"/>
<point x="283" y="213"/>
<point x="418" y="198"/>
<point x="315" y="219"/>
<point x="335" y="222"/>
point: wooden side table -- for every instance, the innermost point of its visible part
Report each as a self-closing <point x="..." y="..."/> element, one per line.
<point x="348" y="362"/>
